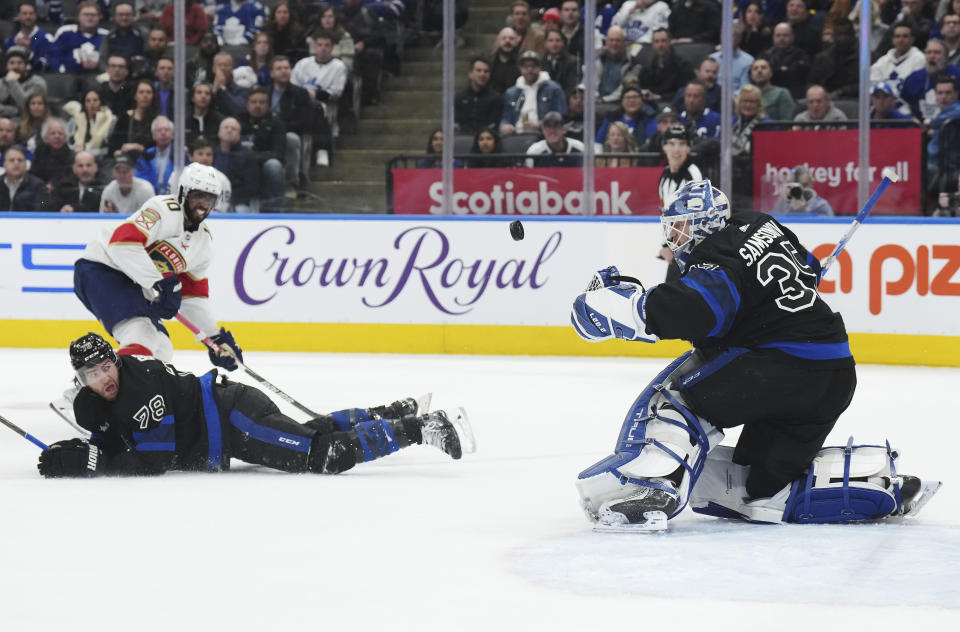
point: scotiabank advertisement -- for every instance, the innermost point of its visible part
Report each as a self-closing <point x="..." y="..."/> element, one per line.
<point x="830" y="156"/>
<point x="552" y="191"/>
<point x="897" y="276"/>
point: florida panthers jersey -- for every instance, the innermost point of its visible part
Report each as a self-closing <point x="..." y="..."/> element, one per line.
<point x="153" y="243"/>
<point x="751" y="285"/>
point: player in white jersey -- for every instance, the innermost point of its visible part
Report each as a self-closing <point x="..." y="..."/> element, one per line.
<point x="154" y="266"/>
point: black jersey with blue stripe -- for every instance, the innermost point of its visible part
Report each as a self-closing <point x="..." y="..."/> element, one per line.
<point x="752" y="285"/>
<point x="155" y="423"/>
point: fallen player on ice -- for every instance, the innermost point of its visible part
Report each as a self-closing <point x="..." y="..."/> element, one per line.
<point x="146" y="417"/>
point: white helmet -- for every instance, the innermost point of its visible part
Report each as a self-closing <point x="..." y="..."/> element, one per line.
<point x="197" y="177"/>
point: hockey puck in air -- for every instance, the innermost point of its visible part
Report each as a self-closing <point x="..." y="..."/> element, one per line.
<point x="516" y="230"/>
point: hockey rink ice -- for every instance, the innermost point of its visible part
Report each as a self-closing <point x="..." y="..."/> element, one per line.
<point x="495" y="542"/>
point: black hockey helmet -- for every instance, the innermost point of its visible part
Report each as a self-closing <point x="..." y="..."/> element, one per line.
<point x="91" y="349"/>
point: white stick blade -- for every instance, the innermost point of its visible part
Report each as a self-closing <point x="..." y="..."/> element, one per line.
<point x="890" y="174"/>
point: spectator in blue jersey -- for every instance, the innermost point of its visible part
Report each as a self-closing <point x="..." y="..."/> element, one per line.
<point x="125" y="38"/>
<point x="236" y="22"/>
<point x="533" y="96"/>
<point x="919" y="89"/>
<point x="704" y="122"/>
<point x="76" y="47"/>
<point x="157" y="163"/>
<point x="639" y="117"/>
<point x="30" y="37"/>
<point x="940" y="156"/>
<point x="883" y="105"/>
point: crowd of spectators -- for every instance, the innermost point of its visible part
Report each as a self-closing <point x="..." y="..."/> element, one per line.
<point x="265" y="81"/>
<point x="268" y="83"/>
<point x="793" y="60"/>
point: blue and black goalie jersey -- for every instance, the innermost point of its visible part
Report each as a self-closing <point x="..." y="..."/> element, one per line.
<point x="751" y="285"/>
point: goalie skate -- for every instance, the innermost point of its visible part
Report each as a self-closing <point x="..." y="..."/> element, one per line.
<point x="915" y="501"/>
<point x="614" y="522"/>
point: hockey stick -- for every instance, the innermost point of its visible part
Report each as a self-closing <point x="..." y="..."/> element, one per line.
<point x="26" y="435"/>
<point x="64" y="413"/>
<point x="227" y="350"/>
<point x="888" y="176"/>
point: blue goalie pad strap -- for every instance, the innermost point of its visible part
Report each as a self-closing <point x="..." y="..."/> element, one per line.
<point x="379" y="433"/>
<point x="847" y="503"/>
<point x="642" y="403"/>
<point x="212" y="418"/>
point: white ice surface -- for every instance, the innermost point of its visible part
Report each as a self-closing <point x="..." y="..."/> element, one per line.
<point x="494" y="542"/>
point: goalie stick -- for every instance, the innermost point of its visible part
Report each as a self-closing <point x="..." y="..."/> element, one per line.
<point x="889" y="175"/>
<point x="26" y="435"/>
<point x="259" y="378"/>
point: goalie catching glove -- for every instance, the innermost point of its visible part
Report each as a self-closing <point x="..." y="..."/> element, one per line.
<point x="70" y="458"/>
<point x="611" y="308"/>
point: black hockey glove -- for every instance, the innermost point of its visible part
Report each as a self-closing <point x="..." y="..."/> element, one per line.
<point x="223" y="359"/>
<point x="323" y="95"/>
<point x="72" y="457"/>
<point x="167" y="303"/>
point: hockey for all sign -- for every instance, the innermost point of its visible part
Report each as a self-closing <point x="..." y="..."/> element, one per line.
<point x="548" y="191"/>
<point x="830" y="156"/>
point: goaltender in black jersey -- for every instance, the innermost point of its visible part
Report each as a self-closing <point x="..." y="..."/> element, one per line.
<point x="768" y="355"/>
<point x="146" y="417"/>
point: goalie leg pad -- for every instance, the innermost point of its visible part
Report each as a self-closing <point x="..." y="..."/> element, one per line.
<point x="847" y="484"/>
<point x="662" y="447"/>
<point x="843" y="484"/>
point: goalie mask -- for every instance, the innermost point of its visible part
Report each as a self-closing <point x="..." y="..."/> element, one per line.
<point x="695" y="211"/>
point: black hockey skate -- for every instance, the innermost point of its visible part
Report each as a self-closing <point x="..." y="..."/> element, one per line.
<point x="451" y="437"/>
<point x="646" y="510"/>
